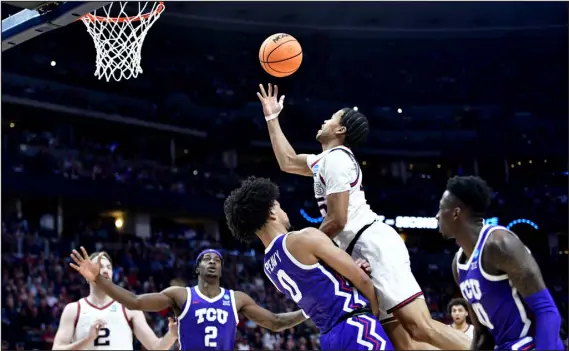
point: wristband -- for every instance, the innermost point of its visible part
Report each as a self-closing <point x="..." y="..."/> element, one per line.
<point x="271" y="117"/>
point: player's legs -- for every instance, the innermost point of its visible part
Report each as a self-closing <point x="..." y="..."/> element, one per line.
<point x="402" y="340"/>
<point x="362" y="332"/>
<point x="406" y="319"/>
<point x="416" y="319"/>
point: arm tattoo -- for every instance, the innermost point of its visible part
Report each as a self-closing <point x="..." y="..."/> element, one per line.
<point x="506" y="253"/>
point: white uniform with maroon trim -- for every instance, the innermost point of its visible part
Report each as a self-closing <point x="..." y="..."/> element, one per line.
<point x="116" y="335"/>
<point x="336" y="170"/>
<point x="469" y="331"/>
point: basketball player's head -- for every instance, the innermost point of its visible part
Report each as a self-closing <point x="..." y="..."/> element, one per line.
<point x="253" y="207"/>
<point x="106" y="263"/>
<point x="465" y="201"/>
<point x="458" y="310"/>
<point x="347" y="125"/>
<point x="209" y="264"/>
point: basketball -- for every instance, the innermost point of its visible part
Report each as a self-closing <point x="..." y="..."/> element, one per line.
<point x="280" y="55"/>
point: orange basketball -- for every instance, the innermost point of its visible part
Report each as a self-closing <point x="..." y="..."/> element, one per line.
<point x="280" y="55"/>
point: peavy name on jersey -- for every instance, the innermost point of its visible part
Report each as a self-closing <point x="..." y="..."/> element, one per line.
<point x="325" y="296"/>
<point x="208" y="323"/>
<point x="496" y="303"/>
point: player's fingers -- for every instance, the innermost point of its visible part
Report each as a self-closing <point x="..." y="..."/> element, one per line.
<point x="270" y="90"/>
<point x="276" y="91"/>
<point x="263" y="93"/>
<point x="76" y="257"/>
<point x="260" y="97"/>
<point x="75" y="267"/>
<point x="85" y="254"/>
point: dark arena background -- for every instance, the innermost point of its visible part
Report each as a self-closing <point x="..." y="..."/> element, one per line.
<point x="140" y="168"/>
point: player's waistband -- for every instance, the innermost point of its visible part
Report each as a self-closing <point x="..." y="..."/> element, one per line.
<point x="525" y="344"/>
<point x="352" y="244"/>
<point x="346" y="316"/>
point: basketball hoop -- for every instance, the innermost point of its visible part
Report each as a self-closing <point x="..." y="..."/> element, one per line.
<point x="118" y="37"/>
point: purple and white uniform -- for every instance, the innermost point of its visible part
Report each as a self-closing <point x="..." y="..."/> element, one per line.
<point x="497" y="304"/>
<point x="208" y="324"/>
<point x="327" y="298"/>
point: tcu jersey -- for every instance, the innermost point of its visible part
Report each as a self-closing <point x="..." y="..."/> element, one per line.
<point x="117" y="333"/>
<point x="322" y="293"/>
<point x="208" y="324"/>
<point x="497" y="304"/>
<point x="334" y="171"/>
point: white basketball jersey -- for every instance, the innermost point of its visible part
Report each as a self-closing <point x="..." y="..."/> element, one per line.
<point x="469" y="331"/>
<point x="334" y="171"/>
<point x="117" y="333"/>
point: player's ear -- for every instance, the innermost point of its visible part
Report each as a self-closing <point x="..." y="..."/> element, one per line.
<point x="456" y="213"/>
<point x="341" y="130"/>
<point x="273" y="214"/>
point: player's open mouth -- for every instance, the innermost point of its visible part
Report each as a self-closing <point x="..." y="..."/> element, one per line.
<point x="106" y="275"/>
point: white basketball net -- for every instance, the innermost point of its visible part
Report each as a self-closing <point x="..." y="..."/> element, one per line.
<point x="118" y="37"/>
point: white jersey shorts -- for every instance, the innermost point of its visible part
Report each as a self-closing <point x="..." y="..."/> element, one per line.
<point x="391" y="274"/>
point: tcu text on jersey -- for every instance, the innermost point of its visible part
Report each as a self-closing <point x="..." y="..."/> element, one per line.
<point x="208" y="323"/>
<point x="211" y="315"/>
<point x="495" y="302"/>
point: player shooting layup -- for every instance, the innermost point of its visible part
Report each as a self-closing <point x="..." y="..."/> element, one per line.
<point x="355" y="228"/>
<point x="98" y="322"/>
<point x="207" y="313"/>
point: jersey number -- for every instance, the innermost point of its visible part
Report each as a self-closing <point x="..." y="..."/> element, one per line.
<point x="210" y="336"/>
<point x="290" y="286"/>
<point x="482" y="315"/>
<point x="102" y="339"/>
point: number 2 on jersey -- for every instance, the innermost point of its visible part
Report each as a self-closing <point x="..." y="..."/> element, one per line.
<point x="210" y="336"/>
<point x="289" y="284"/>
<point x="104" y="333"/>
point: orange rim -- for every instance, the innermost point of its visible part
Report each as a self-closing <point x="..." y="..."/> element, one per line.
<point x="92" y="18"/>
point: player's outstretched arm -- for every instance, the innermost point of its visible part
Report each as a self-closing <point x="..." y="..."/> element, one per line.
<point x="146" y="336"/>
<point x="289" y="161"/>
<point x="266" y="318"/>
<point x="64" y="336"/>
<point x="171" y="297"/>
<point x="481" y="338"/>
<point x="318" y="244"/>
<point x="506" y="253"/>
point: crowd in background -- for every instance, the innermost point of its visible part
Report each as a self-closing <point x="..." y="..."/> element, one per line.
<point x="439" y="105"/>
<point x="37" y="282"/>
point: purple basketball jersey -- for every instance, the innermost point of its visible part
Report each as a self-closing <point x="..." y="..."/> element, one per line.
<point x="497" y="304"/>
<point x="325" y="296"/>
<point x="208" y="324"/>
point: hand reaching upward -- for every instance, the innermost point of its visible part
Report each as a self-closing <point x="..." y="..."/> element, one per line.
<point x="88" y="269"/>
<point x="272" y="106"/>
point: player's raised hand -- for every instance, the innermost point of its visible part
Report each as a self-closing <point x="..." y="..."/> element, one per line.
<point x="95" y="327"/>
<point x="364" y="265"/>
<point x="173" y="326"/>
<point x="272" y="106"/>
<point x="88" y="269"/>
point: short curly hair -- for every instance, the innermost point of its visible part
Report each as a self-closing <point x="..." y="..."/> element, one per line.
<point x="457" y="302"/>
<point x="248" y="207"/>
<point x="471" y="191"/>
